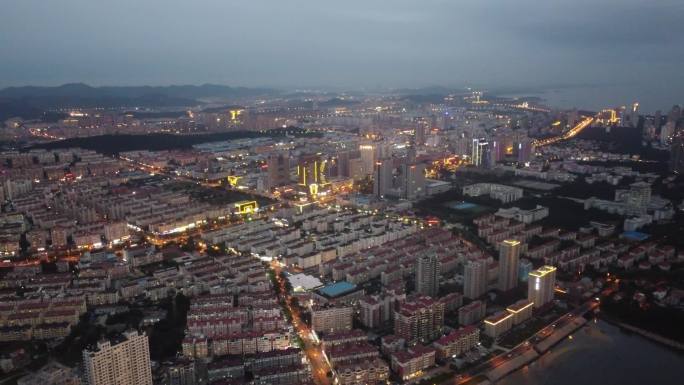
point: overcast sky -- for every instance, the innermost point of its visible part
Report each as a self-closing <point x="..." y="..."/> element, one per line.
<point x="347" y="43"/>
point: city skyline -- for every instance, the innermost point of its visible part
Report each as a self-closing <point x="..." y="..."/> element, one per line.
<point x="369" y="192"/>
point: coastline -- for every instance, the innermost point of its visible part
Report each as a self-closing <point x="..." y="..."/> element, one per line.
<point x="651" y="336"/>
<point x="623" y="357"/>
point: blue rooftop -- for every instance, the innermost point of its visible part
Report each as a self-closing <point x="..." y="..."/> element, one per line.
<point x="337" y="289"/>
<point x="635" y="235"/>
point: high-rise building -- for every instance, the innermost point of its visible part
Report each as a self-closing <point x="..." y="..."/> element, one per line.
<point x="475" y="278"/>
<point x="311" y="173"/>
<point x="419" y="319"/>
<point x="525" y="151"/>
<point x="667" y="133"/>
<point x="309" y="170"/>
<point x="368" y="157"/>
<point x="540" y="285"/>
<point x="343" y="158"/>
<point x="509" y="263"/>
<point x="480" y="153"/>
<point x="278" y="170"/>
<point x="382" y="177"/>
<point x="356" y="169"/>
<point x="413" y="180"/>
<point x="476" y="155"/>
<point x="634" y="115"/>
<point x="126" y="362"/>
<point x="499" y="148"/>
<point x="657" y="119"/>
<point x="427" y="275"/>
<point x="640" y="194"/>
<point x="677" y="154"/>
<point x="420" y="133"/>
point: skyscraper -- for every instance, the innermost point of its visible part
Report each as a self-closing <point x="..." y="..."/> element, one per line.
<point x="382" y="178"/>
<point x="677" y="154"/>
<point x="413" y="180"/>
<point x="475" y="278"/>
<point x="278" y="170"/>
<point x="540" y="285"/>
<point x="310" y="173"/>
<point x="343" y="164"/>
<point x="476" y="156"/>
<point x="368" y="157"/>
<point x="480" y="153"/>
<point x="126" y="362"/>
<point x="525" y="151"/>
<point x="634" y="115"/>
<point x="509" y="263"/>
<point x="420" y="133"/>
<point x="427" y="275"/>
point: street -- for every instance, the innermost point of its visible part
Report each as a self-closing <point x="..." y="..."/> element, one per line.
<point x="314" y="353"/>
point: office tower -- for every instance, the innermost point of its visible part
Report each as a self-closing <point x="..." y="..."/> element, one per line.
<point x="411" y="154"/>
<point x="486" y="154"/>
<point x="382" y="178"/>
<point x="356" y="169"/>
<point x="310" y="170"/>
<point x="413" y="180"/>
<point x="419" y="319"/>
<point x="368" y="157"/>
<point x="343" y="158"/>
<point x="278" y="170"/>
<point x="481" y="155"/>
<point x="475" y="157"/>
<point x="509" y="263"/>
<point x="667" y="132"/>
<point x="499" y="149"/>
<point x="420" y="133"/>
<point x="540" y="285"/>
<point x="674" y="114"/>
<point x="525" y="151"/>
<point x="634" y="115"/>
<point x="427" y="275"/>
<point x="126" y="362"/>
<point x="657" y="119"/>
<point x="677" y="154"/>
<point x="475" y="278"/>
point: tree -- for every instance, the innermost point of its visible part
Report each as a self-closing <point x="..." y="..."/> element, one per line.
<point x="189" y="245"/>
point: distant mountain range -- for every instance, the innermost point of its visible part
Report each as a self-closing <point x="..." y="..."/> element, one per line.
<point x="32" y="102"/>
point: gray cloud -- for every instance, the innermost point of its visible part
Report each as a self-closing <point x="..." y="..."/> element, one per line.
<point x="354" y="43"/>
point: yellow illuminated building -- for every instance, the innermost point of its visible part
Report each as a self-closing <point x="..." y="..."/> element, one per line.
<point x="498" y="324"/>
<point x="234" y="114"/>
<point x="521" y="311"/>
<point x="540" y="284"/>
<point x="246" y="207"/>
<point x="233" y="180"/>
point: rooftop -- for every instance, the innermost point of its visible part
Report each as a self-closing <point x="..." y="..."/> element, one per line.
<point x="304" y="282"/>
<point x="337" y="289"/>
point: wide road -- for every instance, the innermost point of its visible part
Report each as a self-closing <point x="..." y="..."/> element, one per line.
<point x="313" y="351"/>
<point x="567" y="135"/>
